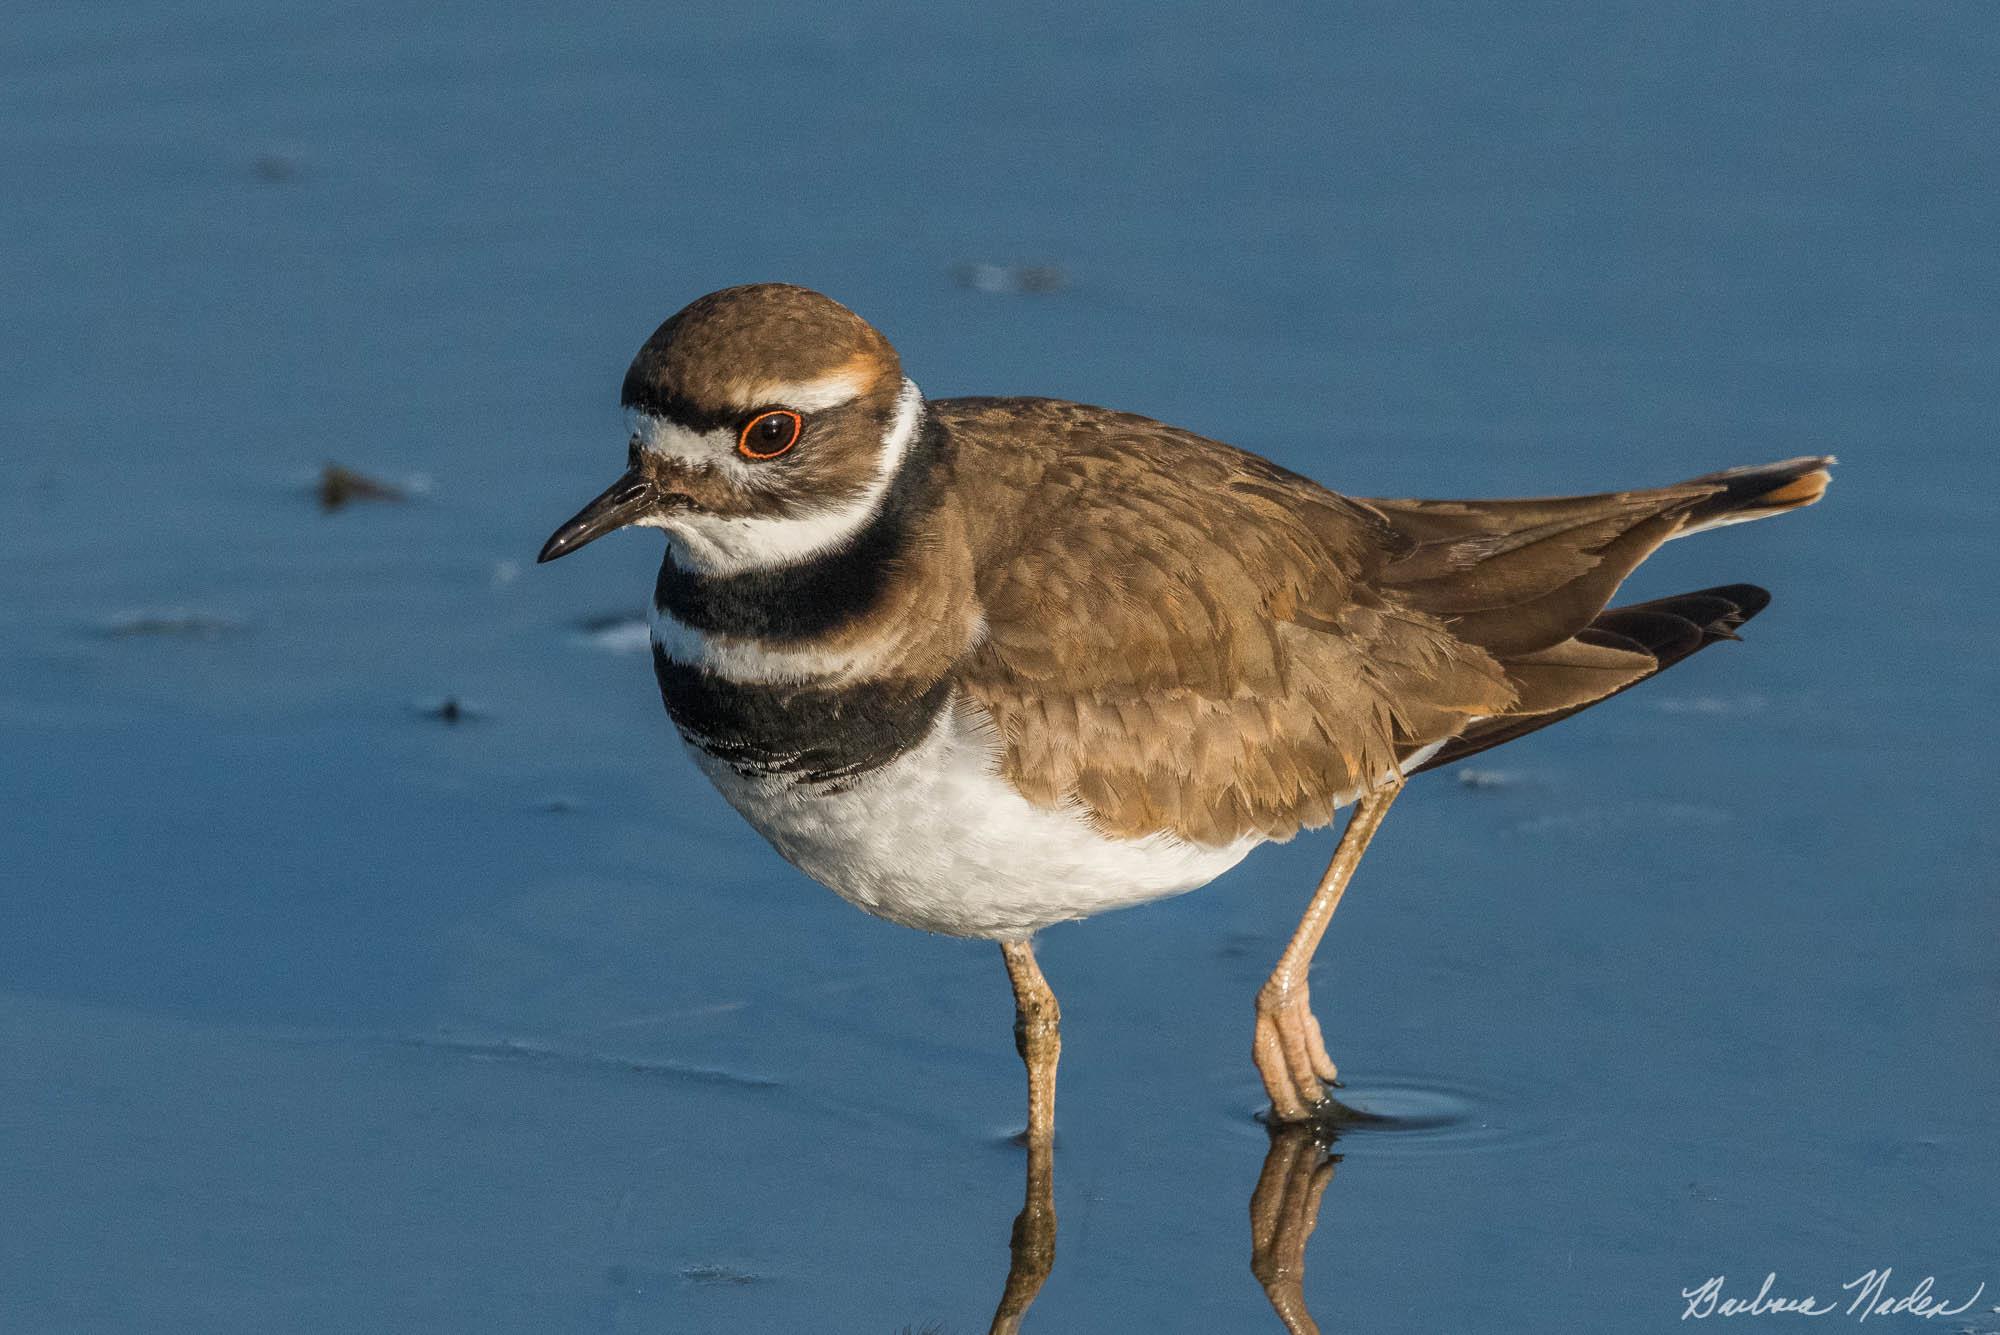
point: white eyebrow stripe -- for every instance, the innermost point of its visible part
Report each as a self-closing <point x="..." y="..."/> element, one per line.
<point x="809" y="396"/>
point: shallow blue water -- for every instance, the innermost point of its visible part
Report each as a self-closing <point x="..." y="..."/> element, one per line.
<point x="320" y="1013"/>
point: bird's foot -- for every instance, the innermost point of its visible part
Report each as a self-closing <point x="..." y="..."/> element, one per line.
<point x="1292" y="1057"/>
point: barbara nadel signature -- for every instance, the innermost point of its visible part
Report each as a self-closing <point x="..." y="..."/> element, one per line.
<point x="1868" y="1292"/>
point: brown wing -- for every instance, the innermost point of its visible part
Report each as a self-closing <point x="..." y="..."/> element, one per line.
<point x="1183" y="637"/>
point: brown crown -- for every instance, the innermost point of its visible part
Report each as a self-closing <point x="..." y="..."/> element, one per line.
<point x="724" y="351"/>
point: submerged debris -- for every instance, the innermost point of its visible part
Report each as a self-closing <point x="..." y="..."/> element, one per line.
<point x="275" y="168"/>
<point x="339" y="486"/>
<point x="1003" y="279"/>
<point x="450" y="710"/>
<point x="1483" y="779"/>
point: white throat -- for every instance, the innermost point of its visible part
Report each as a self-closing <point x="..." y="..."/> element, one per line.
<point x="728" y="545"/>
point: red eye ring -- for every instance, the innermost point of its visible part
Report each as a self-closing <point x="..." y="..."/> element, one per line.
<point x="769" y="443"/>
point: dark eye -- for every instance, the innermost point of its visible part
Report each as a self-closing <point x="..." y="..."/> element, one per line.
<point x="768" y="435"/>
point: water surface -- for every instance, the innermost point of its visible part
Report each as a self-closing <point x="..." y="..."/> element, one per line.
<point x="320" y="1011"/>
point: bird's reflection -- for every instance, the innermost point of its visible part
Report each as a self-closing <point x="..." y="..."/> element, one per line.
<point x="1032" y="1247"/>
<point x="1284" y="1207"/>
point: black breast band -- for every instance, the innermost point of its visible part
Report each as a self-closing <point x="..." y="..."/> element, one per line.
<point x="817" y="734"/>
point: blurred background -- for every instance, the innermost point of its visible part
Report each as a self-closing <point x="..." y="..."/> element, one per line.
<point x="371" y="958"/>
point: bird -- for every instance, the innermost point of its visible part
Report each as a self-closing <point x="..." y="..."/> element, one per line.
<point x="983" y="665"/>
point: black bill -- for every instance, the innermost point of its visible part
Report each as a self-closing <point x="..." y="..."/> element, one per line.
<point x="626" y="501"/>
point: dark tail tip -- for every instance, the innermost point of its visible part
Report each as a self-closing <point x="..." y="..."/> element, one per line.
<point x="1760" y="490"/>
<point x="1672" y="628"/>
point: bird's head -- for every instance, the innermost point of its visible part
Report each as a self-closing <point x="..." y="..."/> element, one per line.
<point x="767" y="424"/>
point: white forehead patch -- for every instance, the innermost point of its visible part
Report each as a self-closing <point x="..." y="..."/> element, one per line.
<point x="671" y="440"/>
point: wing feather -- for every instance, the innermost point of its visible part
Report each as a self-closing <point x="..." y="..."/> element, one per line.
<point x="1184" y="638"/>
<point x="1181" y="637"/>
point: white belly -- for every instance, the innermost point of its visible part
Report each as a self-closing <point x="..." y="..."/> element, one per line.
<point x="937" y="840"/>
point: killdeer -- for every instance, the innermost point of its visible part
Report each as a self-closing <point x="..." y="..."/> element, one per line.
<point x="981" y="665"/>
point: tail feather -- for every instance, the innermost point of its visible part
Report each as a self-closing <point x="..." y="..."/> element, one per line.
<point x="1665" y="629"/>
<point x="1757" y="491"/>
<point x="1528" y="582"/>
<point x="1517" y="577"/>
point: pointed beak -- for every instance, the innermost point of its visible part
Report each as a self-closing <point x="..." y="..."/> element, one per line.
<point x="626" y="501"/>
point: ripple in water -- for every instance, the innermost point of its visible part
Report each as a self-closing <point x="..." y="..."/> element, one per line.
<point x="1398" y="1116"/>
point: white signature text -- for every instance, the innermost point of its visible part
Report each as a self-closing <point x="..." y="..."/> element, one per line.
<point x="1869" y="1295"/>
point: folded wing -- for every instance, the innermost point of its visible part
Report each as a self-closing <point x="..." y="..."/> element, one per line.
<point x="1183" y="638"/>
